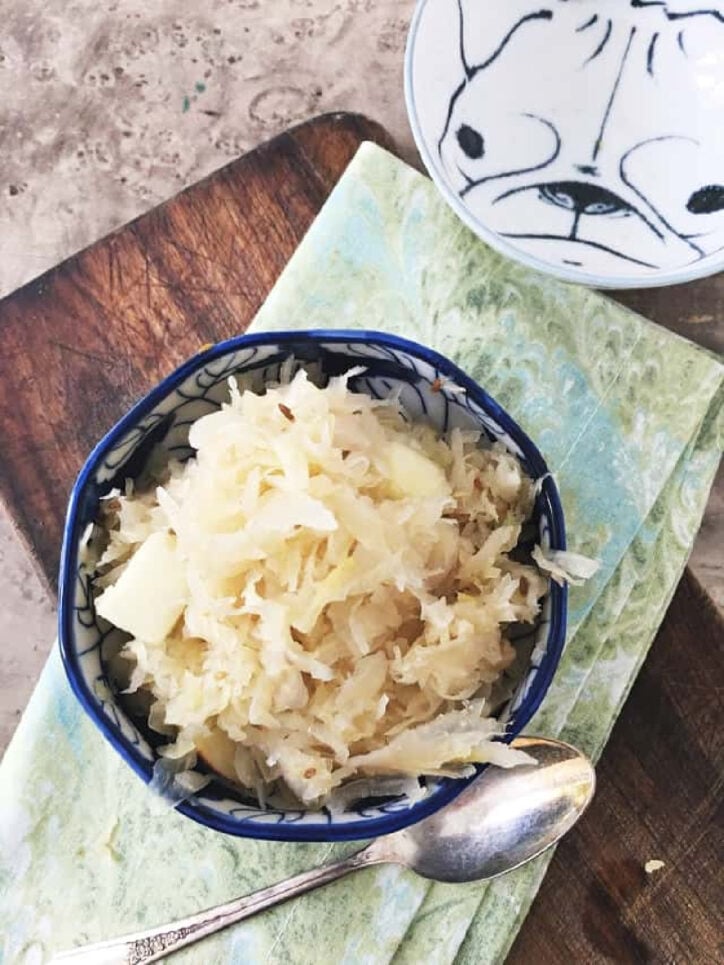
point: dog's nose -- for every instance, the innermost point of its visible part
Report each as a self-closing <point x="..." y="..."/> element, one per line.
<point x="583" y="197"/>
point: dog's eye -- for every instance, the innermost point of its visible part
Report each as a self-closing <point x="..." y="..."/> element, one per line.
<point x="707" y="200"/>
<point x="471" y="142"/>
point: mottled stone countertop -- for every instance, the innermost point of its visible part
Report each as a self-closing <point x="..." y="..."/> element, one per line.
<point x="110" y="108"/>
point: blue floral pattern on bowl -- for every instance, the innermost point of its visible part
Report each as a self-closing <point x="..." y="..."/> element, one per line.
<point x="430" y="387"/>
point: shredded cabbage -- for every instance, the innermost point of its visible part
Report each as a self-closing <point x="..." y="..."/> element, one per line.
<point x="564" y="566"/>
<point x="322" y="593"/>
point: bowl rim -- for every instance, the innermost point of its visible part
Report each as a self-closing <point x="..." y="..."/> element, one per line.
<point x="325" y="829"/>
<point x="709" y="265"/>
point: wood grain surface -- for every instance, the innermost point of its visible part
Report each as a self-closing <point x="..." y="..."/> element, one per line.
<point x="84" y="341"/>
<point x="659" y="796"/>
<point x="87" y="339"/>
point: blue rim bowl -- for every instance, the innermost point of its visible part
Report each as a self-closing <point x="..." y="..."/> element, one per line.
<point x="159" y="425"/>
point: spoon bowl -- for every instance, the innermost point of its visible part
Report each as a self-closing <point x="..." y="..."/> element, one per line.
<point x="499" y="822"/>
<point x="502" y="820"/>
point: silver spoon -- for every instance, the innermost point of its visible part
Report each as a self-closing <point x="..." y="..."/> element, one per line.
<point x="501" y="821"/>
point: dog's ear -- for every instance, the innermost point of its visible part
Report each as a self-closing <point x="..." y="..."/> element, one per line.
<point x="487" y="26"/>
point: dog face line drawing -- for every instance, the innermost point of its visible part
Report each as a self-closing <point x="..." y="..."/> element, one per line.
<point x="556" y="157"/>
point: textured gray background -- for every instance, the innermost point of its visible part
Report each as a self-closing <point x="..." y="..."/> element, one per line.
<point x="109" y="108"/>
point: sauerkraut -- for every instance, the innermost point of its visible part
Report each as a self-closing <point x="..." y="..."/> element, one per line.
<point x="322" y="592"/>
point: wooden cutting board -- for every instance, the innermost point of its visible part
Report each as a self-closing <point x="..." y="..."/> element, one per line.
<point x="84" y="341"/>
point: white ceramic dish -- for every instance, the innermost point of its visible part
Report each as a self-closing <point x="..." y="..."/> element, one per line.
<point x="584" y="138"/>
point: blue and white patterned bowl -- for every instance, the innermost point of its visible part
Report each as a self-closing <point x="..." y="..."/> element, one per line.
<point x="159" y="425"/>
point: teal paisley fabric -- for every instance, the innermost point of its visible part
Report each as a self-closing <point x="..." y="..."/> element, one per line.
<point x="629" y="418"/>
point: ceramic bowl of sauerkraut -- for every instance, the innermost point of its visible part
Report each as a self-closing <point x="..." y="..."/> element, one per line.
<point x="311" y="585"/>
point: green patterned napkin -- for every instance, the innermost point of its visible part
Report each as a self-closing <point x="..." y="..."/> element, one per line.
<point x="628" y="417"/>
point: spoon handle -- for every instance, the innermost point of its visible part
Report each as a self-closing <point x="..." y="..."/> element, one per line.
<point x="155" y="943"/>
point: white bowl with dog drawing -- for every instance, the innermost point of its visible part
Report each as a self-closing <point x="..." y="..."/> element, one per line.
<point x="584" y="138"/>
